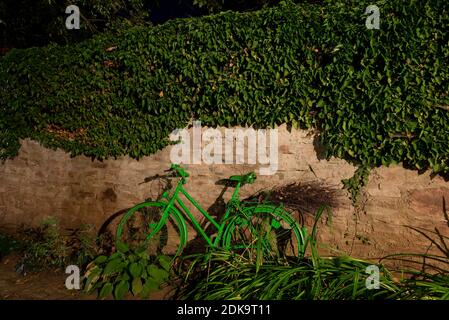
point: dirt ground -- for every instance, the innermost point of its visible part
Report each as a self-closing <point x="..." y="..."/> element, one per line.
<point x="45" y="285"/>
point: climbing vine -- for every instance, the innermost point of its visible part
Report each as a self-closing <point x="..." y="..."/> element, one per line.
<point x="377" y="96"/>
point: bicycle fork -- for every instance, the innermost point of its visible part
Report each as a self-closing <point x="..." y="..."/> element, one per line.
<point x="231" y="207"/>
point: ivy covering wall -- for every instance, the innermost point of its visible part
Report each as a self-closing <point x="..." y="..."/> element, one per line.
<point x="376" y="96"/>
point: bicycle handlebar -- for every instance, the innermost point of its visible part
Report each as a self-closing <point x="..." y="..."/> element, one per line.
<point x="179" y="170"/>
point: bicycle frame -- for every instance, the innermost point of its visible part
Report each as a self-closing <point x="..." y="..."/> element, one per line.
<point x="237" y="216"/>
<point x="175" y="199"/>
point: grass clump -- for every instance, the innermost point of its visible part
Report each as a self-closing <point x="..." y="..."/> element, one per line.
<point x="227" y="276"/>
<point x="223" y="275"/>
<point x="48" y="247"/>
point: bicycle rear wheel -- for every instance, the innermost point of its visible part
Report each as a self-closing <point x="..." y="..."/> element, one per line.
<point x="265" y="229"/>
<point x="148" y="224"/>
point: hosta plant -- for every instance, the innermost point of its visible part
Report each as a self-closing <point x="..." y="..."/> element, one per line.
<point x="127" y="271"/>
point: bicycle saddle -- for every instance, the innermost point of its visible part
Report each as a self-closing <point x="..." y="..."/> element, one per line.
<point x="246" y="178"/>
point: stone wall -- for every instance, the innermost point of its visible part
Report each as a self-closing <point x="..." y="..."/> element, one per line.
<point x="40" y="183"/>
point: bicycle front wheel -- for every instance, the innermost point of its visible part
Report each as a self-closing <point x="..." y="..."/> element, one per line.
<point x="149" y="224"/>
<point x="265" y="229"/>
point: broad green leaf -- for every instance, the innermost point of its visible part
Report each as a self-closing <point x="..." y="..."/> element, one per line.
<point x="113" y="266"/>
<point x="135" y="269"/>
<point x="137" y="286"/>
<point x="106" y="290"/>
<point x="100" y="259"/>
<point x="156" y="273"/>
<point x="122" y="247"/>
<point x="150" y="286"/>
<point x="121" y="289"/>
<point x="165" y="262"/>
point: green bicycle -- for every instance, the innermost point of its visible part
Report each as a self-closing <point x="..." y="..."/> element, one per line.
<point x="162" y="227"/>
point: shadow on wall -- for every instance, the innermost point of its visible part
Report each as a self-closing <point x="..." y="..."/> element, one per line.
<point x="428" y="263"/>
<point x="108" y="226"/>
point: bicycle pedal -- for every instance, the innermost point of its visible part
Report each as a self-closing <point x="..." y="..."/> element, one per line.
<point x="275" y="224"/>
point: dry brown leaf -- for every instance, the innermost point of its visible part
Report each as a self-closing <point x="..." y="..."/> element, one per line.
<point x="111" y="49"/>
